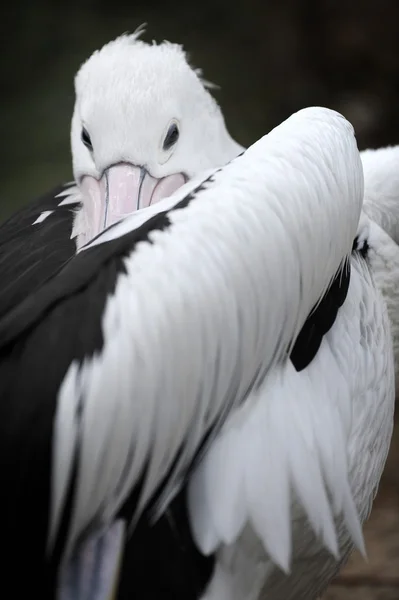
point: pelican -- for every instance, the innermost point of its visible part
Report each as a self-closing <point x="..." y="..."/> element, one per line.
<point x="199" y="404"/>
<point x="144" y="123"/>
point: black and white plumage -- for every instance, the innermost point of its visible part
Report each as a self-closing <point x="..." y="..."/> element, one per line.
<point x="143" y="123"/>
<point x="34" y="243"/>
<point x="177" y="381"/>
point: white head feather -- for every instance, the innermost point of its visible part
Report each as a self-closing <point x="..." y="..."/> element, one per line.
<point x="128" y="94"/>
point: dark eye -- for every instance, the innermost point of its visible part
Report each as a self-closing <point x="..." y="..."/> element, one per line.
<point x="171" y="137"/>
<point x="86" y="139"/>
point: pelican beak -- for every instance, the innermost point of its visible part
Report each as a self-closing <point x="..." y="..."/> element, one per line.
<point x="92" y="571"/>
<point x="123" y="189"/>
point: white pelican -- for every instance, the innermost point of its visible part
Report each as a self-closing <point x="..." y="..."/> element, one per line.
<point x="199" y="405"/>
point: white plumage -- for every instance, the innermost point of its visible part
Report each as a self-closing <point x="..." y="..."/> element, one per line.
<point x="309" y="432"/>
<point x="381" y="180"/>
<point x="197" y="333"/>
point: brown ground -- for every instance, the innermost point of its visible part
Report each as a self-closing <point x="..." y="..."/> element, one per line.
<point x="379" y="578"/>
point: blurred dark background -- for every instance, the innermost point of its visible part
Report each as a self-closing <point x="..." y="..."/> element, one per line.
<point x="271" y="57"/>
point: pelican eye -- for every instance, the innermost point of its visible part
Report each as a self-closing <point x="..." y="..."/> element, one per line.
<point x="171" y="137"/>
<point x="86" y="139"/>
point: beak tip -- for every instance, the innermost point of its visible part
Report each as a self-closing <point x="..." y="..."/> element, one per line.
<point x="92" y="572"/>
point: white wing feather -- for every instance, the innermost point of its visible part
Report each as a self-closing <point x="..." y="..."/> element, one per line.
<point x="205" y="310"/>
<point x="285" y="444"/>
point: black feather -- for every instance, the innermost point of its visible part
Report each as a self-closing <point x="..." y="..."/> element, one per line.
<point x="323" y="316"/>
<point x="31" y="254"/>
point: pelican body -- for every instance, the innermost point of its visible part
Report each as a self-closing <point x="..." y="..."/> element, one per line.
<point x="199" y="403"/>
